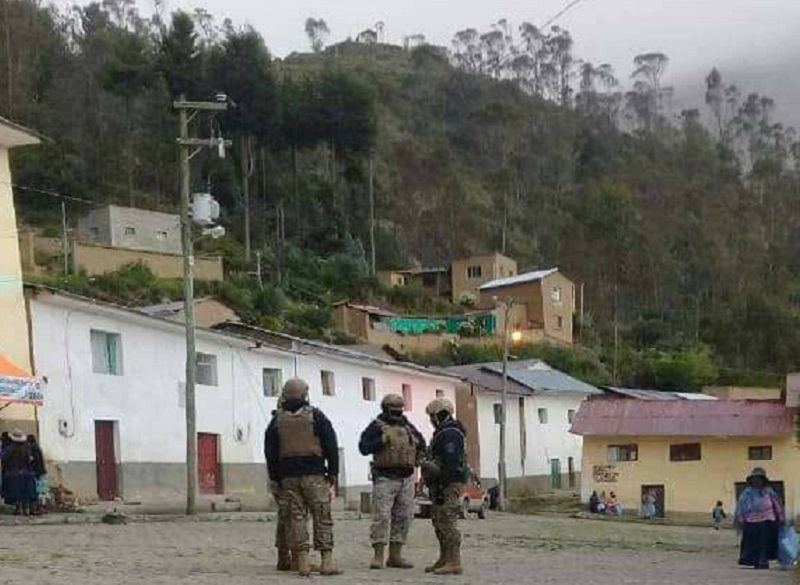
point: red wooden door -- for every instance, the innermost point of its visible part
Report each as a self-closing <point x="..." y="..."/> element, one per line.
<point x="105" y="455"/>
<point x="208" y="476"/>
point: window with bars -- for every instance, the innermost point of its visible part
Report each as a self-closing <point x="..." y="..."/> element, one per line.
<point x="685" y="452"/>
<point x="623" y="453"/>
<point x="760" y="453"/>
<point x="206" y="369"/>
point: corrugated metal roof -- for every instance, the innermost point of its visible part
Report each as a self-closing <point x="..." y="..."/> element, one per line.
<point x="656" y="394"/>
<point x="370" y="309"/>
<point x="540" y="377"/>
<point x="474" y="374"/>
<point x="684" y="418"/>
<point x="519" y="279"/>
<point x="526" y="377"/>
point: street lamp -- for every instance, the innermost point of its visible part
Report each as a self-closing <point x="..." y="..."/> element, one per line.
<point x="508" y="303"/>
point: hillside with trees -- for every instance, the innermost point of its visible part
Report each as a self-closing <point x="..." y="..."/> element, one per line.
<point x="680" y="225"/>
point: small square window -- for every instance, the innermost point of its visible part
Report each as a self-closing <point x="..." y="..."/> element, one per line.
<point x="439" y="393"/>
<point x="106" y="352"/>
<point x="94" y="232"/>
<point x="558" y="322"/>
<point x="474" y="272"/>
<point x="763" y="453"/>
<point x="407" y="397"/>
<point x="498" y="413"/>
<point x="206" y="369"/>
<point x="272" y="379"/>
<point x="542" y="416"/>
<point x="161" y="236"/>
<point x="570" y="416"/>
<point x="130" y="230"/>
<point x="685" y="452"/>
<point x="368" y="389"/>
<point x="328" y="384"/>
<point x="555" y="294"/>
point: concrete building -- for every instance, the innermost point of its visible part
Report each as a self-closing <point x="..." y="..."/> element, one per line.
<point x="541" y="453"/>
<point x="14" y="339"/>
<point x="688" y="453"/>
<point x="131" y="228"/>
<point x="113" y="420"/>
<point x="543" y="304"/>
<point x="469" y="274"/>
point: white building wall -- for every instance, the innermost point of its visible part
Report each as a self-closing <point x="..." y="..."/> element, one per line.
<point x="544" y="442"/>
<point x="350" y="413"/>
<point x="146" y="400"/>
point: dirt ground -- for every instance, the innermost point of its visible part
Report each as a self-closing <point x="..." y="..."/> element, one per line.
<point x="503" y="549"/>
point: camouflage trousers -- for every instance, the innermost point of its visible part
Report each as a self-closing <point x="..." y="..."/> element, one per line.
<point x="283" y="526"/>
<point x="309" y="493"/>
<point x="392" y="509"/>
<point x="444" y="514"/>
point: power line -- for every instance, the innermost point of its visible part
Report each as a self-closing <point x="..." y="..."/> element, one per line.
<point x="561" y="13"/>
<point x="51" y="193"/>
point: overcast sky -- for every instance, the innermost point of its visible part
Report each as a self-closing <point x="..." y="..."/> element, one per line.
<point x="695" y="33"/>
<point x="752" y="41"/>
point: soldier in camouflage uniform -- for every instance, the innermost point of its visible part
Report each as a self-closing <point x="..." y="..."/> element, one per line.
<point x="303" y="460"/>
<point x="285" y="561"/>
<point x="397" y="448"/>
<point x="445" y="472"/>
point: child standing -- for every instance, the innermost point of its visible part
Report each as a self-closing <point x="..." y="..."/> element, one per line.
<point x="718" y="513"/>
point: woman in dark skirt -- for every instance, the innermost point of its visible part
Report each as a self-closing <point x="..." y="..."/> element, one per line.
<point x="19" y="479"/>
<point x="759" y="515"/>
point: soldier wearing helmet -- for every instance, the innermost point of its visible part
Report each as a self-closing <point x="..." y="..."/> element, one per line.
<point x="303" y="461"/>
<point x="445" y="472"/>
<point x="397" y="447"/>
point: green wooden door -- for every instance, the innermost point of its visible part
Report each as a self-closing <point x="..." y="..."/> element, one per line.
<point x="555" y="474"/>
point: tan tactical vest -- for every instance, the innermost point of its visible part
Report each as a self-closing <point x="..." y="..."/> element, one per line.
<point x="401" y="452"/>
<point x="296" y="436"/>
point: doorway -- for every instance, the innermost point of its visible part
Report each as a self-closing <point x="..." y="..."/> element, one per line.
<point x="208" y="474"/>
<point x="106" y="459"/>
<point x="555" y="474"/>
<point x="659" y="493"/>
<point x="571" y="472"/>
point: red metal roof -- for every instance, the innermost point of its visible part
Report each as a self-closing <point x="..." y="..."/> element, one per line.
<point x="686" y="418"/>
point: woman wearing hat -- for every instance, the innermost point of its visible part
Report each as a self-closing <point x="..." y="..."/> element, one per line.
<point x="759" y="515"/>
<point x="19" y="480"/>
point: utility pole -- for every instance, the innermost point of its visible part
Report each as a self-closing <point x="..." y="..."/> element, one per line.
<point x="372" y="211"/>
<point x="501" y="466"/>
<point x="187" y="112"/>
<point x="64" y="237"/>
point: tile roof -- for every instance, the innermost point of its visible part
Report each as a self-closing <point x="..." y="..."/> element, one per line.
<point x="684" y="418"/>
<point x="519" y="279"/>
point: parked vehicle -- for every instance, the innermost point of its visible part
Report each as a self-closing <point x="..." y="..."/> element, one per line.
<point x="473" y="501"/>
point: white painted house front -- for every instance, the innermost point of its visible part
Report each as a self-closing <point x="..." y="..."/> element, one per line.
<point x="113" y="422"/>
<point x="541" y="453"/>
